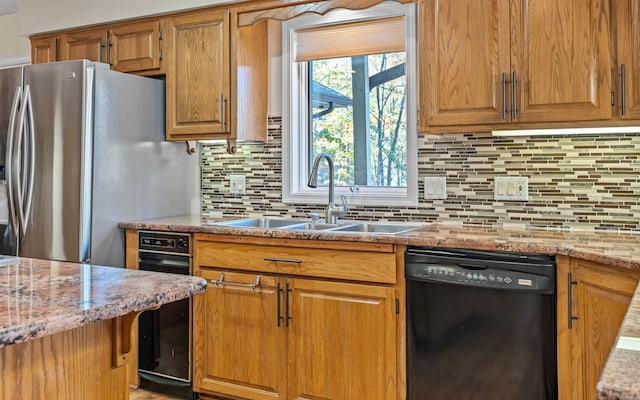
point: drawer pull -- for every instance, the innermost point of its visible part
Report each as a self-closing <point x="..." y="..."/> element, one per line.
<point x="222" y="282"/>
<point x="284" y="260"/>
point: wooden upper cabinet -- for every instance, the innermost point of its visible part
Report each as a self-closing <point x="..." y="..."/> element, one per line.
<point x="135" y="47"/>
<point x="561" y="56"/>
<point x="628" y="41"/>
<point x="128" y="47"/>
<point x="44" y="50"/>
<point x="491" y="62"/>
<point x="198" y="75"/>
<point x="462" y="61"/>
<point x="87" y="44"/>
<point x="598" y="297"/>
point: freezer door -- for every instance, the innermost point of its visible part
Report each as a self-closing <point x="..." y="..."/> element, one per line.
<point x="61" y="95"/>
<point x="10" y="86"/>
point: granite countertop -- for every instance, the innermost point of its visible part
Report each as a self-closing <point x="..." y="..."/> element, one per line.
<point x="616" y="249"/>
<point x="40" y="298"/>
<point x="620" y="379"/>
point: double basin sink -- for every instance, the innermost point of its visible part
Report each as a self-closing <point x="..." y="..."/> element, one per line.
<point x="305" y="225"/>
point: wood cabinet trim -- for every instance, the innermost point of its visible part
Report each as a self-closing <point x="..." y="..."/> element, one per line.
<point x="131" y="262"/>
<point x="278" y="11"/>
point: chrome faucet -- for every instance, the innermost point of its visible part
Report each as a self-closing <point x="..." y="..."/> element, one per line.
<point x="332" y="212"/>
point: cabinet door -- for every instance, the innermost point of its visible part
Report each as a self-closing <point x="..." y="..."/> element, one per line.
<point x="600" y="296"/>
<point x="135" y="47"/>
<point x="89" y="44"/>
<point x="628" y="25"/>
<point x="239" y="348"/>
<point x="464" y="52"/>
<point x="561" y="57"/>
<point x="342" y="341"/>
<point x="44" y="50"/>
<point x="198" y="74"/>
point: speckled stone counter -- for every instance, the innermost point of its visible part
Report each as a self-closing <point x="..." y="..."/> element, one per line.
<point x="616" y="249"/>
<point x="621" y="377"/>
<point x="40" y="298"/>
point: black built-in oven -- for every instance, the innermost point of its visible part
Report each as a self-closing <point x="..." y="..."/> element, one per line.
<point x="164" y="336"/>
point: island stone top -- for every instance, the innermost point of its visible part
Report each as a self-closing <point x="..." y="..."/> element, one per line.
<point x="40" y="298"/>
<point x="620" y="379"/>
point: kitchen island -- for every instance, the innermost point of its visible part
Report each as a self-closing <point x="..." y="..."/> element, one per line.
<point x="65" y="328"/>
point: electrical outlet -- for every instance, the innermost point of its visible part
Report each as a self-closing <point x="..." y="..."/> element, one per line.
<point x="435" y="187"/>
<point x="237" y="184"/>
<point x="511" y="188"/>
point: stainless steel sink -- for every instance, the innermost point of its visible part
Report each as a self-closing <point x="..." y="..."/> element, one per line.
<point x="309" y="226"/>
<point x="265" y="223"/>
<point x="384" y="228"/>
<point x="305" y="225"/>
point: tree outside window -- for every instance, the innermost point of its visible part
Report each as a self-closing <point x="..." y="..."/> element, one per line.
<point x="357" y="114"/>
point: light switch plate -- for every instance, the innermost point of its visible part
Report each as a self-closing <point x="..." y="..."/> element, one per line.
<point x="511" y="188"/>
<point x="435" y="187"/>
<point x="237" y="184"/>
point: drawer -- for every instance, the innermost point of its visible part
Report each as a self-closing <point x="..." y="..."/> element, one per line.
<point x="354" y="265"/>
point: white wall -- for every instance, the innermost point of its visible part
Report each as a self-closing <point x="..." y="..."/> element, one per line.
<point x="14" y="49"/>
<point x="39" y="16"/>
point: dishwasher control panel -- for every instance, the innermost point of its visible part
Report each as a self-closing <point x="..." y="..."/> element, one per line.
<point x="443" y="273"/>
<point x="492" y="270"/>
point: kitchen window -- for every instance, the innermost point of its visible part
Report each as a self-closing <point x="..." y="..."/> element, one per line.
<point x="350" y="90"/>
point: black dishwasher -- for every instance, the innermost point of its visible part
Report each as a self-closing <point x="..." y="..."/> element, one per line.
<point x="480" y="325"/>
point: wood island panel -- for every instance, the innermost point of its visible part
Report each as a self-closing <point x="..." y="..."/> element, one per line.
<point x="71" y="365"/>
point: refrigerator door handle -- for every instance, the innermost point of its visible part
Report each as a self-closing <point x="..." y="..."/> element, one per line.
<point x="17" y="100"/>
<point x="32" y="160"/>
<point x="20" y="162"/>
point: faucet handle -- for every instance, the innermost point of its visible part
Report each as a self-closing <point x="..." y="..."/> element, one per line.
<point x="315" y="217"/>
<point x="345" y="206"/>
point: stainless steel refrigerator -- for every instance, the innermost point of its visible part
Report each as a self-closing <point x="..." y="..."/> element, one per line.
<point x="81" y="149"/>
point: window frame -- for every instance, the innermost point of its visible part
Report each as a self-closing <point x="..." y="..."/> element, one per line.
<point x="295" y="146"/>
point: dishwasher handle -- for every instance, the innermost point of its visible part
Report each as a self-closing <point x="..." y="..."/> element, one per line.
<point x="488" y="278"/>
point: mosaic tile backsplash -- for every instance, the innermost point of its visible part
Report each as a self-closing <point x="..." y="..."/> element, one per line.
<point x="580" y="182"/>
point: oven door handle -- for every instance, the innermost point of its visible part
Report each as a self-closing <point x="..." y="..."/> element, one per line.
<point x="163" y="262"/>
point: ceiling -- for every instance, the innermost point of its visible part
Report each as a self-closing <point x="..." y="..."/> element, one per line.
<point x="8" y="7"/>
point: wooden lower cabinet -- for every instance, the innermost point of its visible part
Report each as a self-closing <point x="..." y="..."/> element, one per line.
<point x="239" y="350"/>
<point x="341" y="341"/>
<point x="597" y="297"/>
<point x="289" y="337"/>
